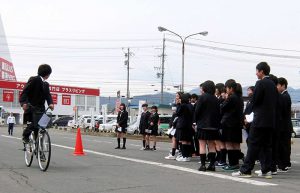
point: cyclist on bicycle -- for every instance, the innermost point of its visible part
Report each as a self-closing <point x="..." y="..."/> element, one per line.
<point x="35" y="93"/>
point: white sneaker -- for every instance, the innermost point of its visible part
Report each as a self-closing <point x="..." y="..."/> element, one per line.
<point x="241" y="175"/>
<point x="258" y="172"/>
<point x="142" y="148"/>
<point x="178" y="157"/>
<point x="170" y="157"/>
<point x="266" y="175"/>
<point x="184" y="159"/>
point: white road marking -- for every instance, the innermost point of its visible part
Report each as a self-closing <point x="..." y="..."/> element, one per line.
<point x="169" y="166"/>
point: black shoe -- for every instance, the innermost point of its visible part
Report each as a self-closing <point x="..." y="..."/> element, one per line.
<point x="117" y="148"/>
<point x="211" y="168"/>
<point x="202" y="168"/>
<point x="154" y="148"/>
<point x="124" y="147"/>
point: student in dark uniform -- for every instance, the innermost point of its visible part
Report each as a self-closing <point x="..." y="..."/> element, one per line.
<point x="220" y="145"/>
<point x="231" y="123"/>
<point x="35" y="93"/>
<point x="121" y="126"/>
<point x="153" y="128"/>
<point x="207" y="116"/>
<point x="248" y="109"/>
<point x="260" y="136"/>
<point x="172" y="125"/>
<point x="195" y="142"/>
<point x="184" y="112"/>
<point x="144" y="123"/>
<point x="285" y="128"/>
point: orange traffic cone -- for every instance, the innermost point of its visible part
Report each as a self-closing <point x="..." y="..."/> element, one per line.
<point x="78" y="146"/>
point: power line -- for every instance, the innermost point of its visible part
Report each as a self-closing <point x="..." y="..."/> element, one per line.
<point x="246" y="46"/>
<point x="239" y="51"/>
<point x="81" y="39"/>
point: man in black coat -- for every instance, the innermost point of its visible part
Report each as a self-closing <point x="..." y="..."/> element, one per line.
<point x="285" y="126"/>
<point x="260" y="136"/>
<point x="32" y="100"/>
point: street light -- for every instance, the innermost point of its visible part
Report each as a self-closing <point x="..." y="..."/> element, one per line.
<point x="204" y="33"/>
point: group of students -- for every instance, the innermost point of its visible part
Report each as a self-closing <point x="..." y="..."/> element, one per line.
<point x="211" y="125"/>
<point x="148" y="126"/>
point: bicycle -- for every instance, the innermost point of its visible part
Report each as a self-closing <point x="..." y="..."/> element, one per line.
<point x="39" y="145"/>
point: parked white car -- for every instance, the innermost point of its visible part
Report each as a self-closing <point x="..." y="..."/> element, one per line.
<point x="133" y="128"/>
<point x="108" y="127"/>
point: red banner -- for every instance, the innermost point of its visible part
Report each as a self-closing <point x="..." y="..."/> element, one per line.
<point x="7" y="70"/>
<point x="66" y="99"/>
<point x="53" y="88"/>
<point x="54" y="98"/>
<point x="8" y="96"/>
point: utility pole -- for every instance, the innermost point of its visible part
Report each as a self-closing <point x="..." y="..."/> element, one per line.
<point x="127" y="63"/>
<point x="127" y="55"/>
<point x="162" y="71"/>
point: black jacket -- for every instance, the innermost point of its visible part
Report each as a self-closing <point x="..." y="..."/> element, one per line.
<point x="207" y="112"/>
<point x="264" y="104"/>
<point x="122" y="119"/>
<point x="173" y="122"/>
<point x="144" y="121"/>
<point x="232" y="112"/>
<point x="36" y="92"/>
<point x="154" y="118"/>
<point x="285" y="112"/>
<point x="184" y="114"/>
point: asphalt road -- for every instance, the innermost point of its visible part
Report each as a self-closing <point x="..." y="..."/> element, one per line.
<point x="105" y="169"/>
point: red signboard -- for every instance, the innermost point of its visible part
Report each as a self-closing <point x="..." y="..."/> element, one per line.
<point x="54" y="98"/>
<point x="66" y="99"/>
<point x="8" y="96"/>
<point x="7" y="70"/>
<point x="53" y="88"/>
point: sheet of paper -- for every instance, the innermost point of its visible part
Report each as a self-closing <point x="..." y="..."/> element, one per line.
<point x="249" y="118"/>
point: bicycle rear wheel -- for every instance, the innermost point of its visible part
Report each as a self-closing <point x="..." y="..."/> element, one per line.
<point x="44" y="150"/>
<point x="28" y="153"/>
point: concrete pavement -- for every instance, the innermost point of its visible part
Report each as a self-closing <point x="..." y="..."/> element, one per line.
<point x="105" y="169"/>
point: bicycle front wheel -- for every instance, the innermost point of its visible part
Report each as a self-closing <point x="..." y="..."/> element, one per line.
<point x="44" y="150"/>
<point x="28" y="153"/>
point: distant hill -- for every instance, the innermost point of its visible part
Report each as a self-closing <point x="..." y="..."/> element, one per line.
<point x="169" y="98"/>
<point x="150" y="99"/>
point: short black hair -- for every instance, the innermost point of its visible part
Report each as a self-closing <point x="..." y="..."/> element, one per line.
<point x="154" y="107"/>
<point x="220" y="87"/>
<point x="145" y="105"/>
<point x="185" y="98"/>
<point x="274" y="78"/>
<point x="251" y="88"/>
<point x="283" y="81"/>
<point x="231" y="83"/>
<point x="194" y="96"/>
<point x="263" y="66"/>
<point x="44" y="70"/>
<point x="209" y="87"/>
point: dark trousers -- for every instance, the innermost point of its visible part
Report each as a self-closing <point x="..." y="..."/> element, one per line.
<point x="284" y="150"/>
<point x="31" y="119"/>
<point x="10" y="128"/>
<point x="259" y="146"/>
<point x="275" y="145"/>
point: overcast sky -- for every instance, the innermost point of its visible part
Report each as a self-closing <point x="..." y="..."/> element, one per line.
<point x="83" y="41"/>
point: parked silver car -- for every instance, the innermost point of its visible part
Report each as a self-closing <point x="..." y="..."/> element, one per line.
<point x="296" y="127"/>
